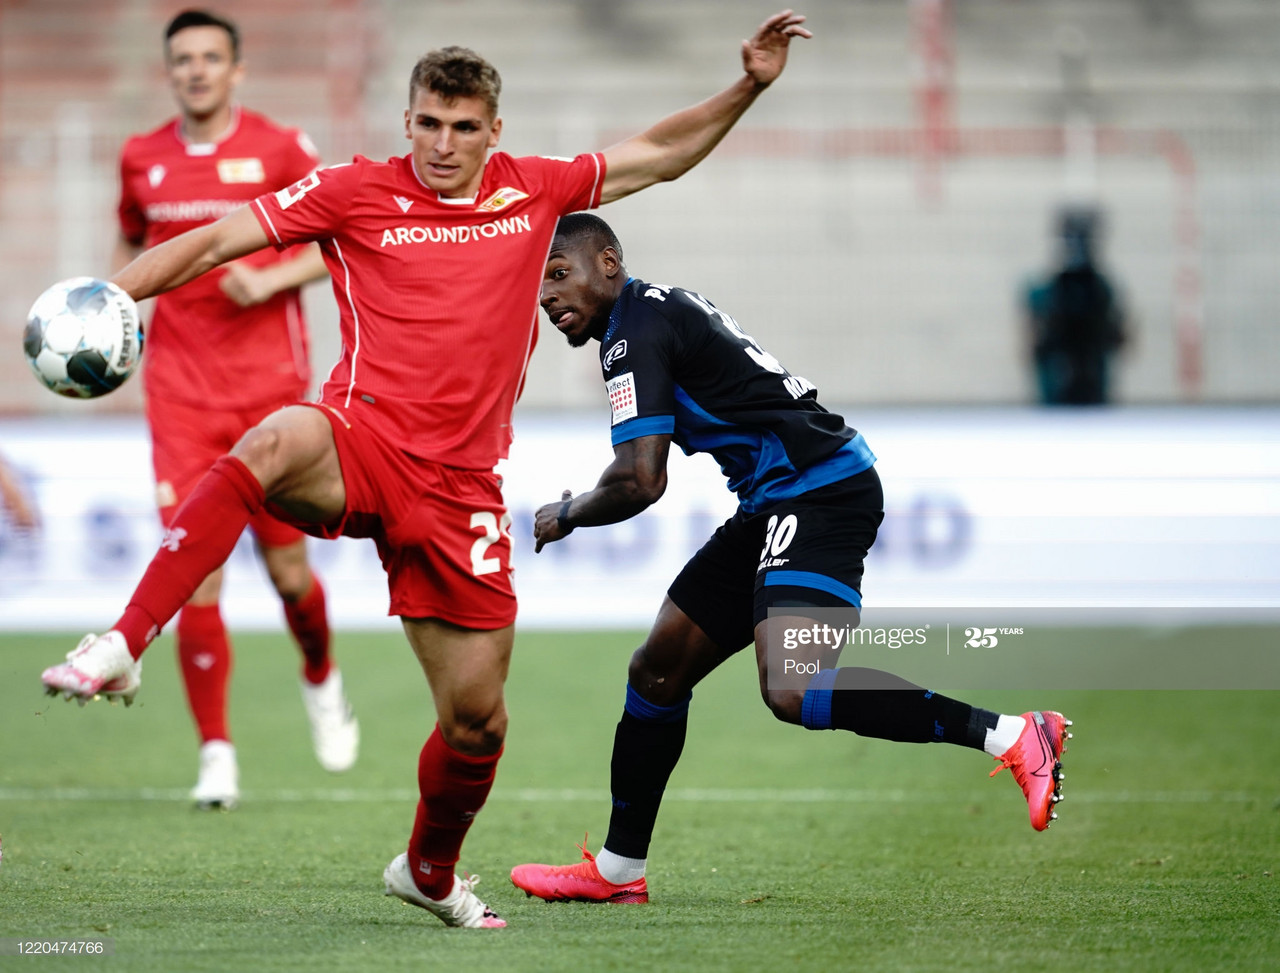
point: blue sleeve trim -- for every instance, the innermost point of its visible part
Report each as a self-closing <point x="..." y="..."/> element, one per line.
<point x="642" y="709"/>
<point x="849" y="460"/>
<point x="815" y="712"/>
<point x="648" y="426"/>
<point x="808" y="579"/>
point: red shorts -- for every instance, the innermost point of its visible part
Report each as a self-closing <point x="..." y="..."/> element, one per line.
<point x="443" y="533"/>
<point x="186" y="440"/>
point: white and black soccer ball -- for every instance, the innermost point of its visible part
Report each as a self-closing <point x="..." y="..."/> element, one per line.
<point x="83" y="338"/>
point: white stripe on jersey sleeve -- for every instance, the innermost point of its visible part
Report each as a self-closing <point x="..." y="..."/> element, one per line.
<point x="267" y="216"/>
<point x="593" y="200"/>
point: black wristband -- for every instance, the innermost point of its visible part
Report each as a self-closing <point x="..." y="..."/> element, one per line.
<point x="562" y="518"/>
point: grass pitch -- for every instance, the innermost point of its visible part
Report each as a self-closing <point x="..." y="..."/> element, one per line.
<point x="777" y="848"/>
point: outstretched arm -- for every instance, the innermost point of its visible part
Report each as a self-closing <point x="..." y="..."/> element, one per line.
<point x="176" y="261"/>
<point x="635" y="479"/>
<point x="679" y="142"/>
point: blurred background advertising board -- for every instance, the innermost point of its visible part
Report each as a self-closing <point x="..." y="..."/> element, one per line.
<point x="1168" y="508"/>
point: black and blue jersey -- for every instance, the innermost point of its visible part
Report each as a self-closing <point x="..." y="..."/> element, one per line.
<point x="676" y="365"/>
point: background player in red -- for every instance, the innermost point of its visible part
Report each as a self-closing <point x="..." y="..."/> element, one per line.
<point x="437" y="261"/>
<point x="223" y="352"/>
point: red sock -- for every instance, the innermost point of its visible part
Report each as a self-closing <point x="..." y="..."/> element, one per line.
<point x="453" y="786"/>
<point x="309" y="622"/>
<point x="203" y="533"/>
<point x="204" y="653"/>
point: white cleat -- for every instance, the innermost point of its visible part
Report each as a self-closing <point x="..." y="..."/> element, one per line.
<point x="459" y="908"/>
<point x="335" y="732"/>
<point x="218" y="786"/>
<point x="100" y="666"/>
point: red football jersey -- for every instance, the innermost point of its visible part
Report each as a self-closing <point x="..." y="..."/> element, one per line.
<point x="201" y="346"/>
<point x="438" y="297"/>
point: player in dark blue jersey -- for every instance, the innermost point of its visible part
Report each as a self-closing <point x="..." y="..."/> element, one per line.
<point x="680" y="370"/>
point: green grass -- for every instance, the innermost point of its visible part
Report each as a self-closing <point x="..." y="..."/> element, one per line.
<point x="777" y="848"/>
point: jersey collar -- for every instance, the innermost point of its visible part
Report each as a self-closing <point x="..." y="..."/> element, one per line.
<point x="447" y="200"/>
<point x="615" y="315"/>
<point x="207" y="148"/>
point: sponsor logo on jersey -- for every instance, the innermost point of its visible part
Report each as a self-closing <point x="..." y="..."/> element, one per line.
<point x="191" y="210"/>
<point x="395" y="236"/>
<point x="156" y="174"/>
<point x="241" y="170"/>
<point x="614" y="353"/>
<point x="173" y="538"/>
<point x="503" y="197"/>
<point x="403" y="203"/>
<point x="622" y="397"/>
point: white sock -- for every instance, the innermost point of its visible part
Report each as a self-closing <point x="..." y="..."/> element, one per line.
<point x="618" y="870"/>
<point x="1005" y="735"/>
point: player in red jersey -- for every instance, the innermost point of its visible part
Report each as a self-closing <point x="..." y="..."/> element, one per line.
<point x="223" y="352"/>
<point x="436" y="260"/>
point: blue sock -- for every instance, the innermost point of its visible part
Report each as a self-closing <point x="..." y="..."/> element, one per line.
<point x="642" y="709"/>
<point x="815" y="713"/>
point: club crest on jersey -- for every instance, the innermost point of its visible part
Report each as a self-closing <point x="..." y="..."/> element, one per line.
<point x="156" y="174"/>
<point x="403" y="203"/>
<point x="241" y="170"/>
<point x="614" y="353"/>
<point x="622" y="398"/>
<point x="503" y="197"/>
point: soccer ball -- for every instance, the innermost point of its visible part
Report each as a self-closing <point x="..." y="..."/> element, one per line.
<point x="83" y="338"/>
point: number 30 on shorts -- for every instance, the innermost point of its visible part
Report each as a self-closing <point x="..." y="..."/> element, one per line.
<point x="487" y="521"/>
<point x="778" y="535"/>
